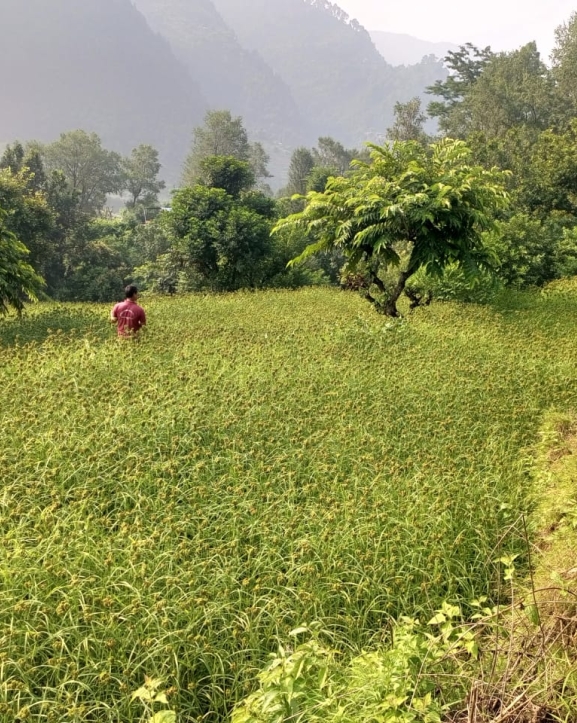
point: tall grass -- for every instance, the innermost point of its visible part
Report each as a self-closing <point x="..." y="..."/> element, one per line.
<point x="169" y="507"/>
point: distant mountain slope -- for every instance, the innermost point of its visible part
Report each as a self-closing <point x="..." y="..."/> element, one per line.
<point x="336" y="75"/>
<point x="294" y="69"/>
<point x="96" y="65"/>
<point x="400" y="49"/>
<point x="228" y="75"/>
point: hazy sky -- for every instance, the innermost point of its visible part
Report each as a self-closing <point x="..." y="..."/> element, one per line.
<point x="503" y="24"/>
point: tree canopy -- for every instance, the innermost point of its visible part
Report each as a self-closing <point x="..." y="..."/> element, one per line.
<point x="223" y="135"/>
<point x="18" y="280"/>
<point x="140" y="172"/>
<point x="92" y="171"/>
<point x="409" y="209"/>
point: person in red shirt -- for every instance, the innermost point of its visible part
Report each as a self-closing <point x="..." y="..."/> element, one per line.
<point x="128" y="316"/>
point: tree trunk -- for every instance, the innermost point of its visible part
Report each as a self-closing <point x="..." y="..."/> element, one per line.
<point x="389" y="306"/>
<point x="393" y="297"/>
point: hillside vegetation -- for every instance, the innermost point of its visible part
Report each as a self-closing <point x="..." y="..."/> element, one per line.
<point x="229" y="75"/>
<point x="172" y="507"/>
<point x="101" y="66"/>
<point x="338" y="78"/>
<point x="95" y="65"/>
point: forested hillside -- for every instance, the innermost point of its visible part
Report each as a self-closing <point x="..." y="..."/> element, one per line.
<point x="334" y="71"/>
<point x="145" y="72"/>
<point x="95" y="65"/>
<point x="228" y="75"/>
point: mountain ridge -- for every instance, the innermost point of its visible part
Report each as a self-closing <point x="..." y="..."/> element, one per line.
<point x="326" y="57"/>
<point x="228" y="75"/>
<point x="404" y="49"/>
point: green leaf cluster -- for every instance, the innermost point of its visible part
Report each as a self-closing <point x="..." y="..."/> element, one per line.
<point x="18" y="280"/>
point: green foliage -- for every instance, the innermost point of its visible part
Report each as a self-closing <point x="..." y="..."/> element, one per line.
<point x="453" y="285"/>
<point x="218" y="238"/>
<point x="29" y="215"/>
<point x="18" y="279"/>
<point x="301" y="164"/>
<point x="259" y="160"/>
<point x="140" y="171"/>
<point x="91" y="171"/>
<point x="532" y="252"/>
<point x="13" y="157"/>
<point x="398" y="683"/>
<point x="175" y="508"/>
<point x="98" y="261"/>
<point x="409" y="122"/>
<point x="310" y="169"/>
<point x="493" y="93"/>
<point x="226" y="173"/>
<point x="465" y="68"/>
<point x="407" y="209"/>
<point x="164" y="275"/>
<point x="98" y="273"/>
<point x="564" y="57"/>
<point x="151" y="696"/>
<point x="550" y="182"/>
<point x="219" y="242"/>
<point x="319" y="178"/>
<point x="330" y="153"/>
<point x="223" y="136"/>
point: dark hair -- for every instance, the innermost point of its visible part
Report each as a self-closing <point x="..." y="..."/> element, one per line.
<point x="129" y="291"/>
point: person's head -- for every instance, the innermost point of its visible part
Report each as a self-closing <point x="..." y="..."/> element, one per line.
<point x="131" y="292"/>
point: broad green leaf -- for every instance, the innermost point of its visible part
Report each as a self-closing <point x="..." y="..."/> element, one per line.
<point x="438" y="619"/>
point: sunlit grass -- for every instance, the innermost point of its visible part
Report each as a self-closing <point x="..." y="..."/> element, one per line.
<point x="256" y="461"/>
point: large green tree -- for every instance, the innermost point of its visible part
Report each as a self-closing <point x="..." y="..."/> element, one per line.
<point x="466" y="66"/>
<point x="409" y="122"/>
<point x="492" y="93"/>
<point x="227" y="173"/>
<point x="91" y="171"/>
<point x="141" y="180"/>
<point x="18" y="280"/>
<point x="220" y="230"/>
<point x="28" y="215"/>
<point x="301" y="164"/>
<point x="310" y="170"/>
<point x="330" y="153"/>
<point x="13" y="157"/>
<point x="223" y="135"/>
<point x="407" y="209"/>
<point x="564" y="57"/>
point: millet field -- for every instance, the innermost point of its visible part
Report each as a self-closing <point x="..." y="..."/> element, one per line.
<point x="173" y="507"/>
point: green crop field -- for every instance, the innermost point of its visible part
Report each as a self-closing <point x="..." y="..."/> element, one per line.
<point x="173" y="507"/>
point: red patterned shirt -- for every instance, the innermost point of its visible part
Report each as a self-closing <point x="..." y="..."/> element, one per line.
<point x="129" y="316"/>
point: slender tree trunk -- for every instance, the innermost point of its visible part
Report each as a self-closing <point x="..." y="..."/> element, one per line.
<point x="393" y="297"/>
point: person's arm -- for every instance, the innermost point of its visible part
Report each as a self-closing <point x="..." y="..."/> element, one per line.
<point x="142" y="320"/>
<point x="113" y="317"/>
